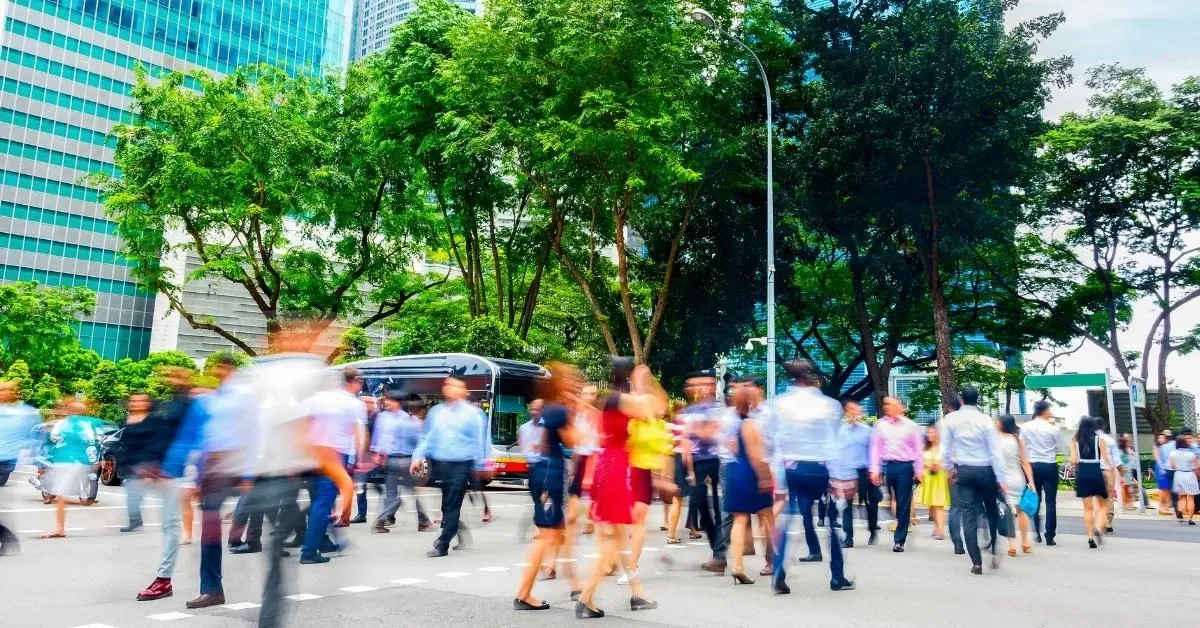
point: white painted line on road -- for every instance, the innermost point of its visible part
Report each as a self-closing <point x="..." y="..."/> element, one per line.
<point x="697" y="543"/>
<point x="520" y="564"/>
<point x="74" y="529"/>
<point x="358" y="588"/>
<point x="566" y="560"/>
<point x="168" y="616"/>
<point x="240" y="606"/>
<point x="649" y="549"/>
<point x="28" y="531"/>
<point x="493" y="569"/>
<point x="94" y="626"/>
<point x="452" y="574"/>
<point x="303" y="597"/>
<point x="407" y="582"/>
<point x="591" y="555"/>
<point x="69" y="508"/>
<point x="674" y="547"/>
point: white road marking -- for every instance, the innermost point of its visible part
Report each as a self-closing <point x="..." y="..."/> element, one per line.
<point x="697" y="543"/>
<point x="70" y="508"/>
<point x="520" y="564"/>
<point x="169" y="616"/>
<point x="493" y="569"/>
<point x="649" y="549"/>
<point x="407" y="582"/>
<point x="303" y="597"/>
<point x="240" y="606"/>
<point x="452" y="574"/>
<point x="566" y="560"/>
<point x="674" y="547"/>
<point x="94" y="626"/>
<point x="591" y="555"/>
<point x="358" y="588"/>
<point x="28" y="531"/>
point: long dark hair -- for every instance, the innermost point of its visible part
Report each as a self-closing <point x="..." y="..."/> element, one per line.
<point x="1008" y="425"/>
<point x="1085" y="437"/>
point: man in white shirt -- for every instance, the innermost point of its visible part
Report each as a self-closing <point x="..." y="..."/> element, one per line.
<point x="1042" y="445"/>
<point x="971" y="453"/>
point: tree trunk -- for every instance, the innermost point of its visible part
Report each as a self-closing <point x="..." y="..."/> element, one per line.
<point x="1163" y="411"/>
<point x="496" y="262"/>
<point x="635" y="334"/>
<point x="941" y="312"/>
<point x="865" y="334"/>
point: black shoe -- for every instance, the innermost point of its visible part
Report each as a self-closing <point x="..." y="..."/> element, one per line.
<point x="898" y="548"/>
<point x="780" y="587"/>
<point x="847" y="544"/>
<point x="811" y="558"/>
<point x="380" y="529"/>
<point x="133" y="526"/>
<point x="245" y="548"/>
<point x="284" y="554"/>
<point x="359" y="519"/>
<point x="1092" y="543"/>
<point x="958" y="551"/>
<point x="841" y="584"/>
<point x="582" y="611"/>
<point x="575" y="595"/>
<point x="295" y="543"/>
<point x="1038" y="537"/>
<point x="1108" y="530"/>
<point x="314" y="560"/>
<point x="820" y="524"/>
<point x="1050" y="543"/>
<point x="874" y="538"/>
<point x="522" y="605"/>
<point x="436" y="553"/>
<point x="977" y="570"/>
<point x="641" y="604"/>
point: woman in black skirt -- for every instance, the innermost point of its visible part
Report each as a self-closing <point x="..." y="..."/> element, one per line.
<point x="1086" y="456"/>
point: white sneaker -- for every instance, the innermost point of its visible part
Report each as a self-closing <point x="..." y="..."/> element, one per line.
<point x="627" y="577"/>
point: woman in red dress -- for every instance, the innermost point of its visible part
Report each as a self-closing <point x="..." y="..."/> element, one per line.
<point x="635" y="393"/>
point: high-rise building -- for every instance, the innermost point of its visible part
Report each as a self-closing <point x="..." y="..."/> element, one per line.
<point x="375" y="19"/>
<point x="67" y="73"/>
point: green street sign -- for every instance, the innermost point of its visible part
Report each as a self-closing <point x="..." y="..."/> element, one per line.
<point x="1066" y="380"/>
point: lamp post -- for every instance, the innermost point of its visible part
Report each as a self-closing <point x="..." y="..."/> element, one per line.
<point x="704" y="17"/>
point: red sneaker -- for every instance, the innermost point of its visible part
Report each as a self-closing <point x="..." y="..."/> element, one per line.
<point x="160" y="588"/>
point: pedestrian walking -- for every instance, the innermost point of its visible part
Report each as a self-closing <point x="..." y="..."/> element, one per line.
<point x="339" y="430"/>
<point x="802" y="426"/>
<point x="854" y="461"/>
<point x="703" y="421"/>
<point x="1087" y="454"/>
<point x="682" y="456"/>
<point x="1018" y="476"/>
<point x="934" y="491"/>
<point x="972" y="455"/>
<point x="73" y="452"/>
<point x="397" y="434"/>
<point x="749" y="486"/>
<point x="18" y="421"/>
<point x="1184" y="463"/>
<point x="1042" y="440"/>
<point x="897" y="459"/>
<point x="1113" y="470"/>
<point x="650" y="473"/>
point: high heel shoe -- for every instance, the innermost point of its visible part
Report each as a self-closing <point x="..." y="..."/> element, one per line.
<point x="1091" y="542"/>
<point x="1012" y="552"/>
<point x="641" y="604"/>
<point x="740" y="577"/>
<point x="583" y="611"/>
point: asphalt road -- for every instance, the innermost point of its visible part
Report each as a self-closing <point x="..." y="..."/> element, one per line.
<point x="90" y="579"/>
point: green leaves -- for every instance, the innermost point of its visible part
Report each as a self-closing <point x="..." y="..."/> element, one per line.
<point x="39" y="331"/>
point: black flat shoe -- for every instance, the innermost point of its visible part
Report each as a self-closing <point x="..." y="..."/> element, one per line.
<point x="435" y="553"/>
<point x="977" y="570"/>
<point x="583" y="611"/>
<point x="640" y="604"/>
<point x="958" y="551"/>
<point x="1050" y="543"/>
<point x="522" y="605"/>
<point x="841" y="584"/>
<point x="1091" y="543"/>
<point x="811" y="558"/>
<point x="847" y="544"/>
<point x="898" y="548"/>
<point x="779" y="587"/>
<point x="359" y="519"/>
<point x="245" y="548"/>
<point x="873" y="539"/>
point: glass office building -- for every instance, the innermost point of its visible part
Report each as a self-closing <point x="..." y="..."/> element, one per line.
<point x="375" y="19"/>
<point x="67" y="72"/>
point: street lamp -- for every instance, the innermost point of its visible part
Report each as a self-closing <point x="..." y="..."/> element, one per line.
<point x="750" y="343"/>
<point x="700" y="16"/>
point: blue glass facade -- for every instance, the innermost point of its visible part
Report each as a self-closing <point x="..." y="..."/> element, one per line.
<point x="66" y="75"/>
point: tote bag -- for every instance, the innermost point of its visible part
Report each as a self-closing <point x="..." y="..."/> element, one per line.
<point x="1029" y="502"/>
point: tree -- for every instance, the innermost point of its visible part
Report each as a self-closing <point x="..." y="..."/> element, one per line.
<point x="353" y="345"/>
<point x="18" y="372"/>
<point x="45" y="393"/>
<point x="274" y="183"/>
<point x="490" y="337"/>
<point x="107" y="392"/>
<point x="39" y="328"/>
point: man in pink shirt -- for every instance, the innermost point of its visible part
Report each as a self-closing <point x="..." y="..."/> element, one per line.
<point x="896" y="456"/>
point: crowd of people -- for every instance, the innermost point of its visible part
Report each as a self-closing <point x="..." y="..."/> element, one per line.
<point x="597" y="463"/>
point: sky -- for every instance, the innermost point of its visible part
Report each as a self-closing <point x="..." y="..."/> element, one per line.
<point x="1159" y="35"/>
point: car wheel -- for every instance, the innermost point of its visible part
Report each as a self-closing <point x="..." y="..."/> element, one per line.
<point x="108" y="471"/>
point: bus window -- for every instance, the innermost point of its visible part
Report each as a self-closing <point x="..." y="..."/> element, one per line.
<point x="508" y="415"/>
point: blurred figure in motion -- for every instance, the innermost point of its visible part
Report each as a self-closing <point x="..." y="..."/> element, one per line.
<point x="397" y="434"/>
<point x="854" y="461"/>
<point x="339" y="430"/>
<point x="147" y="437"/>
<point x="529" y="441"/>
<point x="457" y="445"/>
<point x="213" y="427"/>
<point x="17" y="423"/>
<point x="71" y="456"/>
<point x="749" y="486"/>
<point x="364" y="479"/>
<point x="586" y="420"/>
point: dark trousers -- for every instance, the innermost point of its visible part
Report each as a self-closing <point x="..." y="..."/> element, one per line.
<point x="455" y="478"/>
<point x="247" y="523"/>
<point x="398" y="476"/>
<point x="1045" y="482"/>
<point x="274" y="499"/>
<point x="721" y="546"/>
<point x="870" y="496"/>
<point x="1174" y="495"/>
<point x="807" y="482"/>
<point x="214" y="490"/>
<point x="978" y="492"/>
<point x="899" y="477"/>
<point x="955" y="517"/>
<point x="324" y="495"/>
<point x="709" y="514"/>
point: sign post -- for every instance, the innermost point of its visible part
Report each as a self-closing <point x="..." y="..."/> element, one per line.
<point x="1137" y="401"/>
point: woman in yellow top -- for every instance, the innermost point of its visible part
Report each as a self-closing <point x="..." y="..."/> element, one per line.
<point x="934" y="491"/>
<point x="650" y="458"/>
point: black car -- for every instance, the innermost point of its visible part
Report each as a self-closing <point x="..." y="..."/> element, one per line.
<point x="110" y="456"/>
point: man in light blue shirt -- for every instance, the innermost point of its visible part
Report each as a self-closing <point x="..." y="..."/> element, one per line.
<point x="852" y="463"/>
<point x="529" y="435"/>
<point x="17" y="421"/>
<point x="802" y="426"/>
<point x="456" y="442"/>
<point x="971" y="453"/>
<point x="397" y="435"/>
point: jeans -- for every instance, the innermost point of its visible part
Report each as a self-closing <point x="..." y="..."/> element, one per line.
<point x="1045" y="482"/>
<point x="324" y="495"/>
<point x="708" y="469"/>
<point x="6" y="469"/>
<point x="869" y="494"/>
<point x="454" y="477"/>
<point x="955" y="522"/>
<point x="274" y="495"/>
<point x="978" y="492"/>
<point x="214" y="490"/>
<point x="899" y="477"/>
<point x="807" y="482"/>
<point x="398" y="476"/>
<point x="168" y="492"/>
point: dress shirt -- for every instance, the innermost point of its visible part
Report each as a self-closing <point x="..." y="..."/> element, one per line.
<point x="700" y="416"/>
<point x="969" y="439"/>
<point x="728" y="431"/>
<point x="17" y="421"/>
<point x="396" y="433"/>
<point x="1041" y="438"/>
<point x="802" y="426"/>
<point x="1114" y="452"/>
<point x="529" y="438"/>
<point x="896" y="439"/>
<point x="455" y="432"/>
<point x="854" y="445"/>
<point x="337" y="416"/>
<point x="215" y="423"/>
